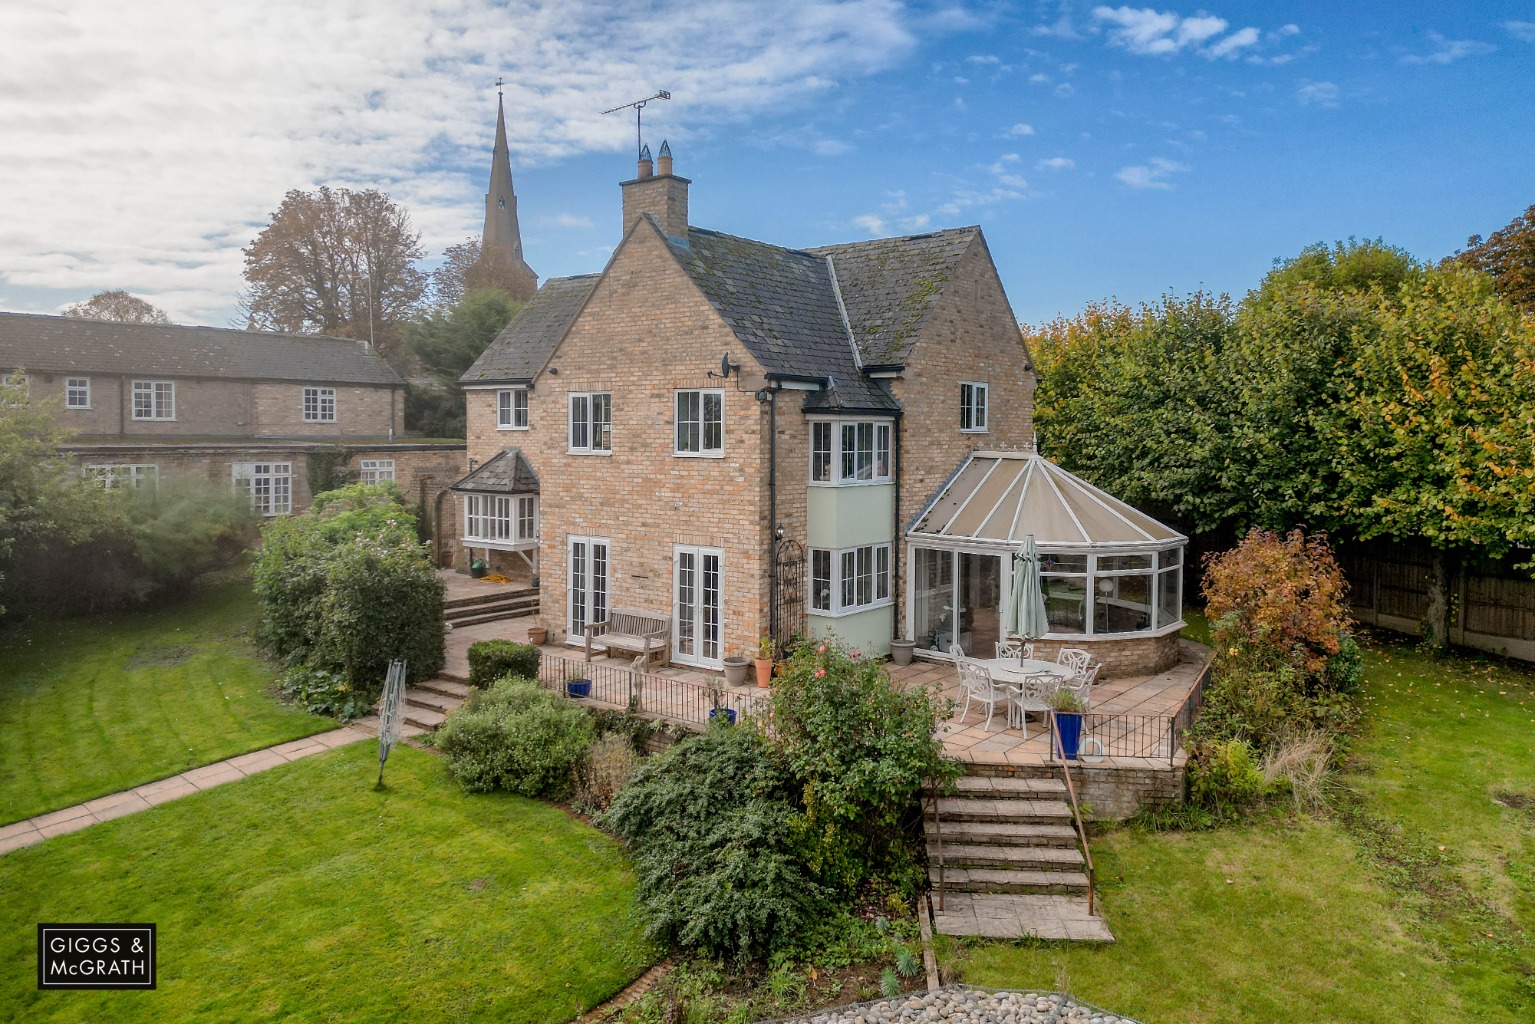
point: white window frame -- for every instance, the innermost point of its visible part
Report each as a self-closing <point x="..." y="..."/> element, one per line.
<point x="596" y="434"/>
<point x="858" y="578"/>
<point x="698" y="421"/>
<point x="155" y="391"/>
<point x="707" y="649"/>
<point x="376" y="471"/>
<point x="500" y="520"/>
<point x="268" y="484"/>
<point x="591" y="606"/>
<point x="832" y="470"/>
<point x="512" y="409"/>
<point x="319" y="405"/>
<point x="974" y="407"/>
<point x="77" y="387"/>
<point x="525" y="513"/>
<point x="113" y="475"/>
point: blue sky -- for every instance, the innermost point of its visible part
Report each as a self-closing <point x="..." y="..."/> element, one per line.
<point x="1106" y="150"/>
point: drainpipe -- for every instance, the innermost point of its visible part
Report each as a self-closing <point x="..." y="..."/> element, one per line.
<point x="897" y="542"/>
<point x="770" y="395"/>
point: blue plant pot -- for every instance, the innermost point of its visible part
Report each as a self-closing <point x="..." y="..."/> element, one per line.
<point x="579" y="687"/>
<point x="728" y="714"/>
<point x="1068" y="734"/>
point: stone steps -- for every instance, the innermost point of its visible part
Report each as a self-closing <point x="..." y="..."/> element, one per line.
<point x="431" y="700"/>
<point x="1001" y="833"/>
<point x="980" y="786"/>
<point x="491" y="595"/>
<point x="1013" y="811"/>
<point x="1028" y="858"/>
<point x="423" y="718"/>
<point x="447" y="686"/>
<point x="1010" y="880"/>
<point x="492" y="611"/>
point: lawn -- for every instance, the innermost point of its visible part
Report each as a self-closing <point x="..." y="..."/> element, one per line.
<point x="92" y="706"/>
<point x="303" y="894"/>
<point x="1359" y="916"/>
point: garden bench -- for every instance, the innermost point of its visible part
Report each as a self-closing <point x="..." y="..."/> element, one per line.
<point x="626" y="629"/>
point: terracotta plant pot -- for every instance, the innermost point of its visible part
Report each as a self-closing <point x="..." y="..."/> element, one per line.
<point x="537" y="635"/>
<point x="764" y="672"/>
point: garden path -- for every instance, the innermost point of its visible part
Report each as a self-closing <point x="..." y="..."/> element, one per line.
<point x="141" y="798"/>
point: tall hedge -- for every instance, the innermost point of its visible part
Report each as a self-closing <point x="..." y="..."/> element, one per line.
<point x="347" y="587"/>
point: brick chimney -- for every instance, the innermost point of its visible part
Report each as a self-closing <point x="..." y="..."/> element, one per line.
<point x="659" y="193"/>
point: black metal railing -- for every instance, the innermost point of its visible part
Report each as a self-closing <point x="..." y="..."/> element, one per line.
<point x="642" y="693"/>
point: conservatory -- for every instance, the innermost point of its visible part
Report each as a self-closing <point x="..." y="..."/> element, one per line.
<point x="1112" y="576"/>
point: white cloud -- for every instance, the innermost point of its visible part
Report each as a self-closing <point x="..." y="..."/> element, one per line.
<point x="983" y="58"/>
<point x="1151" y="175"/>
<point x="830" y="147"/>
<point x="145" y="143"/>
<point x="1151" y="33"/>
<point x="875" y="226"/>
<point x="1019" y="130"/>
<point x="573" y="220"/>
<point x="1065" y="90"/>
<point x="1056" y="163"/>
<point x="1317" y="94"/>
<point x="1524" y="30"/>
<point x="1448" y="51"/>
<point x="1039" y="78"/>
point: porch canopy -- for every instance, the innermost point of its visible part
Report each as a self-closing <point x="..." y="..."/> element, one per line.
<point x="1108" y="569"/>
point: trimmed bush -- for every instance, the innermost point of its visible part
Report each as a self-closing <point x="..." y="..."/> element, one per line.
<point x="517" y="737"/>
<point x="347" y="587"/>
<point x="711" y="825"/>
<point x="490" y="660"/>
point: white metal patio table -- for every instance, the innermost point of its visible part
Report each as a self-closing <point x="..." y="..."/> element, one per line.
<point x="1011" y="672"/>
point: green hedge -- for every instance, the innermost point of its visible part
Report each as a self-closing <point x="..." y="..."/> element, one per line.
<point x="490" y="660"/>
<point x="517" y="737"/>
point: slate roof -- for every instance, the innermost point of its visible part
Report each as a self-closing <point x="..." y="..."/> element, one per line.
<point x="525" y="344"/>
<point x="890" y="285"/>
<point x="782" y="305"/>
<point x="61" y="344"/>
<point x="507" y="473"/>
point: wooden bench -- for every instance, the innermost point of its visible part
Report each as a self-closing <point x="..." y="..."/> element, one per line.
<point x="626" y="629"/>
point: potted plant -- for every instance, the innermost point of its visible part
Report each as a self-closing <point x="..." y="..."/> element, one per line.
<point x="1068" y="710"/>
<point x="735" y="669"/>
<point x="764" y="662"/>
<point x="578" y="683"/>
<point x="538" y="635"/>
<point x="478" y="568"/>
<point x="900" y="652"/>
<point x="727" y="716"/>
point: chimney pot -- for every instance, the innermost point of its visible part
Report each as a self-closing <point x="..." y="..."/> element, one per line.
<point x="647" y="167"/>
<point x="664" y="158"/>
<point x="663" y="196"/>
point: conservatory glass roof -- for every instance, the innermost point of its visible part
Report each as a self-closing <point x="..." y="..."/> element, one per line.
<point x="998" y="498"/>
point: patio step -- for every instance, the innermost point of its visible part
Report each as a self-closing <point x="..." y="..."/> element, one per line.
<point x="424" y="718"/>
<point x="1010" y="880"/>
<point x="1003" y="833"/>
<point x="1028" y="858"/>
<point x="1012" y="811"/>
<point x="1007" y="786"/>
<point x="431" y="700"/>
<point x="492" y="594"/>
<point x="493" y="610"/>
<point x="448" y="687"/>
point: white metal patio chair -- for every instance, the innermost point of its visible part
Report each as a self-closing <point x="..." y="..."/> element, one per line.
<point x="1032" y="695"/>
<point x="1014" y="647"/>
<point x="978" y="685"/>
<point x="1090" y="676"/>
<point x="1073" y="658"/>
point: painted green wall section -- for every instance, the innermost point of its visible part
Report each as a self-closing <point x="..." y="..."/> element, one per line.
<point x="843" y="517"/>
<point x="868" y="631"/>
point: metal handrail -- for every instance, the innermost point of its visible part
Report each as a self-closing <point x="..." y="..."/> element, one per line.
<point x="1076" y="811"/>
<point x="1194" y="697"/>
<point x="938" y="830"/>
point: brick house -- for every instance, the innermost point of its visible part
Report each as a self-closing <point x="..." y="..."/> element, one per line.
<point x="734" y="432"/>
<point x="246" y="408"/>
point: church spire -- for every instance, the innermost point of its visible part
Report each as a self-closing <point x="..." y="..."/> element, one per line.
<point x="501" y="241"/>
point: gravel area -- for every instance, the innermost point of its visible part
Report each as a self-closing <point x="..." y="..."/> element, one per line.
<point x="961" y="1004"/>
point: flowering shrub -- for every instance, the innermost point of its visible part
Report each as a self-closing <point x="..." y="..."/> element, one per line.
<point x="861" y="750"/>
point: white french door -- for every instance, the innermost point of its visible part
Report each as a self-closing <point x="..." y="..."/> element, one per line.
<point x="587" y="568"/>
<point x="698" y="606"/>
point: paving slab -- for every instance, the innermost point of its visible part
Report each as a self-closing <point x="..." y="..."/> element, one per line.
<point x="64" y="827"/>
<point x="55" y="817"/>
<point x="123" y="807"/>
<point x="20" y="839"/>
<point x="166" y="793"/>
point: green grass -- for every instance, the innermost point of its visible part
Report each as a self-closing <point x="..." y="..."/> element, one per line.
<point x="302" y="894"/>
<point x="1359" y="917"/>
<point x="93" y="706"/>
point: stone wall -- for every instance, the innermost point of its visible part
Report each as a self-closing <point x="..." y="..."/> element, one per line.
<point x="1129" y="656"/>
<point x="277" y="409"/>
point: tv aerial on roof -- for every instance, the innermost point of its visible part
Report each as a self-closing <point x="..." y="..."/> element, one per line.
<point x="639" y="105"/>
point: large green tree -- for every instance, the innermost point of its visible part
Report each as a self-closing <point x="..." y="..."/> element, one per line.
<point x="1440" y="407"/>
<point x="447" y="340"/>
